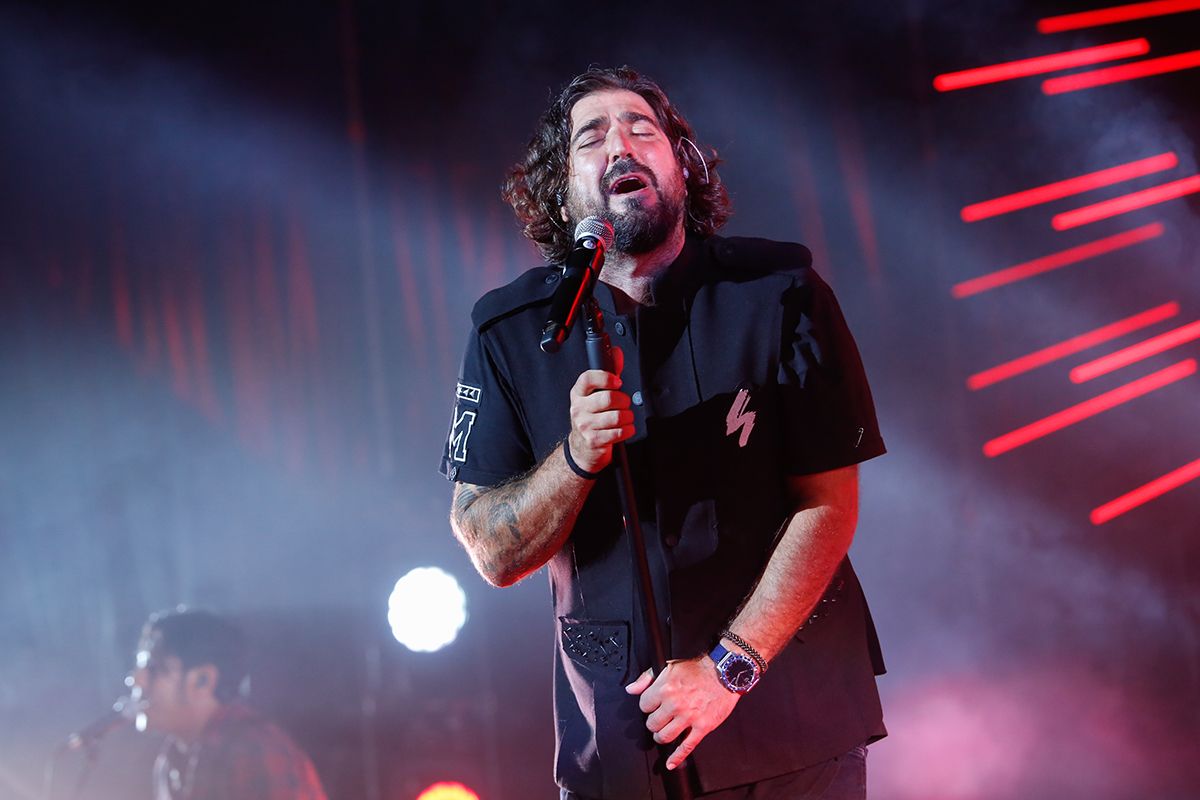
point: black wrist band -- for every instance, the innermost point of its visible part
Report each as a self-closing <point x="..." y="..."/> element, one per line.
<point x="750" y="651"/>
<point x="578" y="470"/>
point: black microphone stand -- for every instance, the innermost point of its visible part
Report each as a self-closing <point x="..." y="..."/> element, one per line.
<point x="600" y="356"/>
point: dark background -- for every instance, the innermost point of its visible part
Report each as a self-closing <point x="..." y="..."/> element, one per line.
<point x="238" y="249"/>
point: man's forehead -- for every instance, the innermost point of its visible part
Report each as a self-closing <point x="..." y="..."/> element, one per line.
<point x="156" y="658"/>
<point x="609" y="103"/>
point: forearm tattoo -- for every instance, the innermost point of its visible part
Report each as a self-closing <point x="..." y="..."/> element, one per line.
<point x="464" y="496"/>
<point x="489" y="523"/>
<point x="502" y="516"/>
<point x="512" y="529"/>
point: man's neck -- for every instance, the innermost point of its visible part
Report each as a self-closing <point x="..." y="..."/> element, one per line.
<point x="200" y="719"/>
<point x="636" y="275"/>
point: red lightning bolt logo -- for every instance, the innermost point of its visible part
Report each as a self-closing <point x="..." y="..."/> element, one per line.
<point x="739" y="417"/>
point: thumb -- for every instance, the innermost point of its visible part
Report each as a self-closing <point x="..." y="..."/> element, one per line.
<point x="642" y="683"/>
<point x="618" y="360"/>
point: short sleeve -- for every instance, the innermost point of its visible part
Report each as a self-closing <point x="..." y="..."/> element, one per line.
<point x="828" y="416"/>
<point x="487" y="443"/>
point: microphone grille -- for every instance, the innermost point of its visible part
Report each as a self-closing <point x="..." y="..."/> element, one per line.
<point x="596" y="228"/>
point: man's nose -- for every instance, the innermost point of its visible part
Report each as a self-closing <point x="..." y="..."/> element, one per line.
<point x="620" y="145"/>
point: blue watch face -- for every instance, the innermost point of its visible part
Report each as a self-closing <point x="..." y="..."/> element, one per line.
<point x="738" y="672"/>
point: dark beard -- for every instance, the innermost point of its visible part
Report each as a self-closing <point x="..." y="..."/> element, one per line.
<point x="640" y="229"/>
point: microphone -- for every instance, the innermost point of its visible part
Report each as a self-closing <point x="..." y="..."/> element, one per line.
<point x="593" y="237"/>
<point x="123" y="712"/>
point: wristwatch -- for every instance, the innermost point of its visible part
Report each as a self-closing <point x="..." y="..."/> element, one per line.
<point x="737" y="673"/>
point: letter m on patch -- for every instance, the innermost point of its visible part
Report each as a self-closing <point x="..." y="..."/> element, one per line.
<point x="463" y="422"/>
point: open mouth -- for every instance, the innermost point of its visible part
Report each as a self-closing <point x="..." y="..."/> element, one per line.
<point x="627" y="184"/>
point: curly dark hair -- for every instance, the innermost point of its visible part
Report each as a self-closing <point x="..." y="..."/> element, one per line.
<point x="534" y="187"/>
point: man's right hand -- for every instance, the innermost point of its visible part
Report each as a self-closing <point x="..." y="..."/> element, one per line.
<point x="601" y="416"/>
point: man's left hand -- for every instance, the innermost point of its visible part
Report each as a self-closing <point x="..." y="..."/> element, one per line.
<point x="686" y="695"/>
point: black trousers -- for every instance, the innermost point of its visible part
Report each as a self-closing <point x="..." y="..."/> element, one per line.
<point x="841" y="778"/>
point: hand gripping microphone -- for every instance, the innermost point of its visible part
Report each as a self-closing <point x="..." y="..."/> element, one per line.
<point x="593" y="237"/>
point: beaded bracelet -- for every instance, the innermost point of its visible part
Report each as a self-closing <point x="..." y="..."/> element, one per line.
<point x="578" y="470"/>
<point x="750" y="651"/>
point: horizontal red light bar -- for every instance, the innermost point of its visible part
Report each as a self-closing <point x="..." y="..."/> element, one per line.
<point x="1066" y="188"/>
<point x="1144" y="494"/>
<point x="1138" y="352"/>
<point x="1109" y="16"/>
<point x="1071" y="346"/>
<point x="1089" y="408"/>
<point x="1124" y="72"/>
<point x="1126" y="203"/>
<point x="1054" y="261"/>
<point x="1039" y="65"/>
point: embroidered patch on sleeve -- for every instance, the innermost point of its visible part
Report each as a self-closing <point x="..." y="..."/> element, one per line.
<point x="469" y="393"/>
<point x="460" y="433"/>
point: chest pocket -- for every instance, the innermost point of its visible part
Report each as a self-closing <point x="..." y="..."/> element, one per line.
<point x="599" y="649"/>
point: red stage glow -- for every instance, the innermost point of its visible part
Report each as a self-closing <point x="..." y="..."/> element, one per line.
<point x="1071" y="346"/>
<point x="1144" y="494"/>
<point x="1089" y="408"/>
<point x="1065" y="188"/>
<point x="1054" y="261"/>
<point x="1040" y="65"/>
<point x="1136" y="352"/>
<point x="1109" y="16"/>
<point x="1124" y="72"/>
<point x="1126" y="203"/>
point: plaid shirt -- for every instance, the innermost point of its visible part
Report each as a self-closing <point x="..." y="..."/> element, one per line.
<point x="239" y="756"/>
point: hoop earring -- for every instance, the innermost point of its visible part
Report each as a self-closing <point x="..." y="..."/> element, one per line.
<point x="699" y="155"/>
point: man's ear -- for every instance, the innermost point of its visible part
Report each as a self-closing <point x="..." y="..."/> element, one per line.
<point x="203" y="679"/>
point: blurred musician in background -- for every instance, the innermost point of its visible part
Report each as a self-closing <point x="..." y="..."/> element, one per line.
<point x="188" y="683"/>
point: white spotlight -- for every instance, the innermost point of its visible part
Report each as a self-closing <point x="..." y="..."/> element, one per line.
<point x="427" y="609"/>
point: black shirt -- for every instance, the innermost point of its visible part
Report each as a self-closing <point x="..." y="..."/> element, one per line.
<point x="742" y="372"/>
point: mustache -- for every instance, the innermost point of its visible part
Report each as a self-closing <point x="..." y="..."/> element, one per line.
<point x="624" y="166"/>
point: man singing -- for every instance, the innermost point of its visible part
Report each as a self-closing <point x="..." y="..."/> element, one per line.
<point x="742" y="400"/>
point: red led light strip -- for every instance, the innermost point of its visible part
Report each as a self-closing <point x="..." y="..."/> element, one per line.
<point x="1124" y="72"/>
<point x="1089" y="408"/>
<point x="1040" y="65"/>
<point x="1054" y="261"/>
<point x="1126" y="203"/>
<point x="1109" y="16"/>
<point x="1065" y="188"/>
<point x="1071" y="346"/>
<point x="1144" y="494"/>
<point x="1137" y="352"/>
